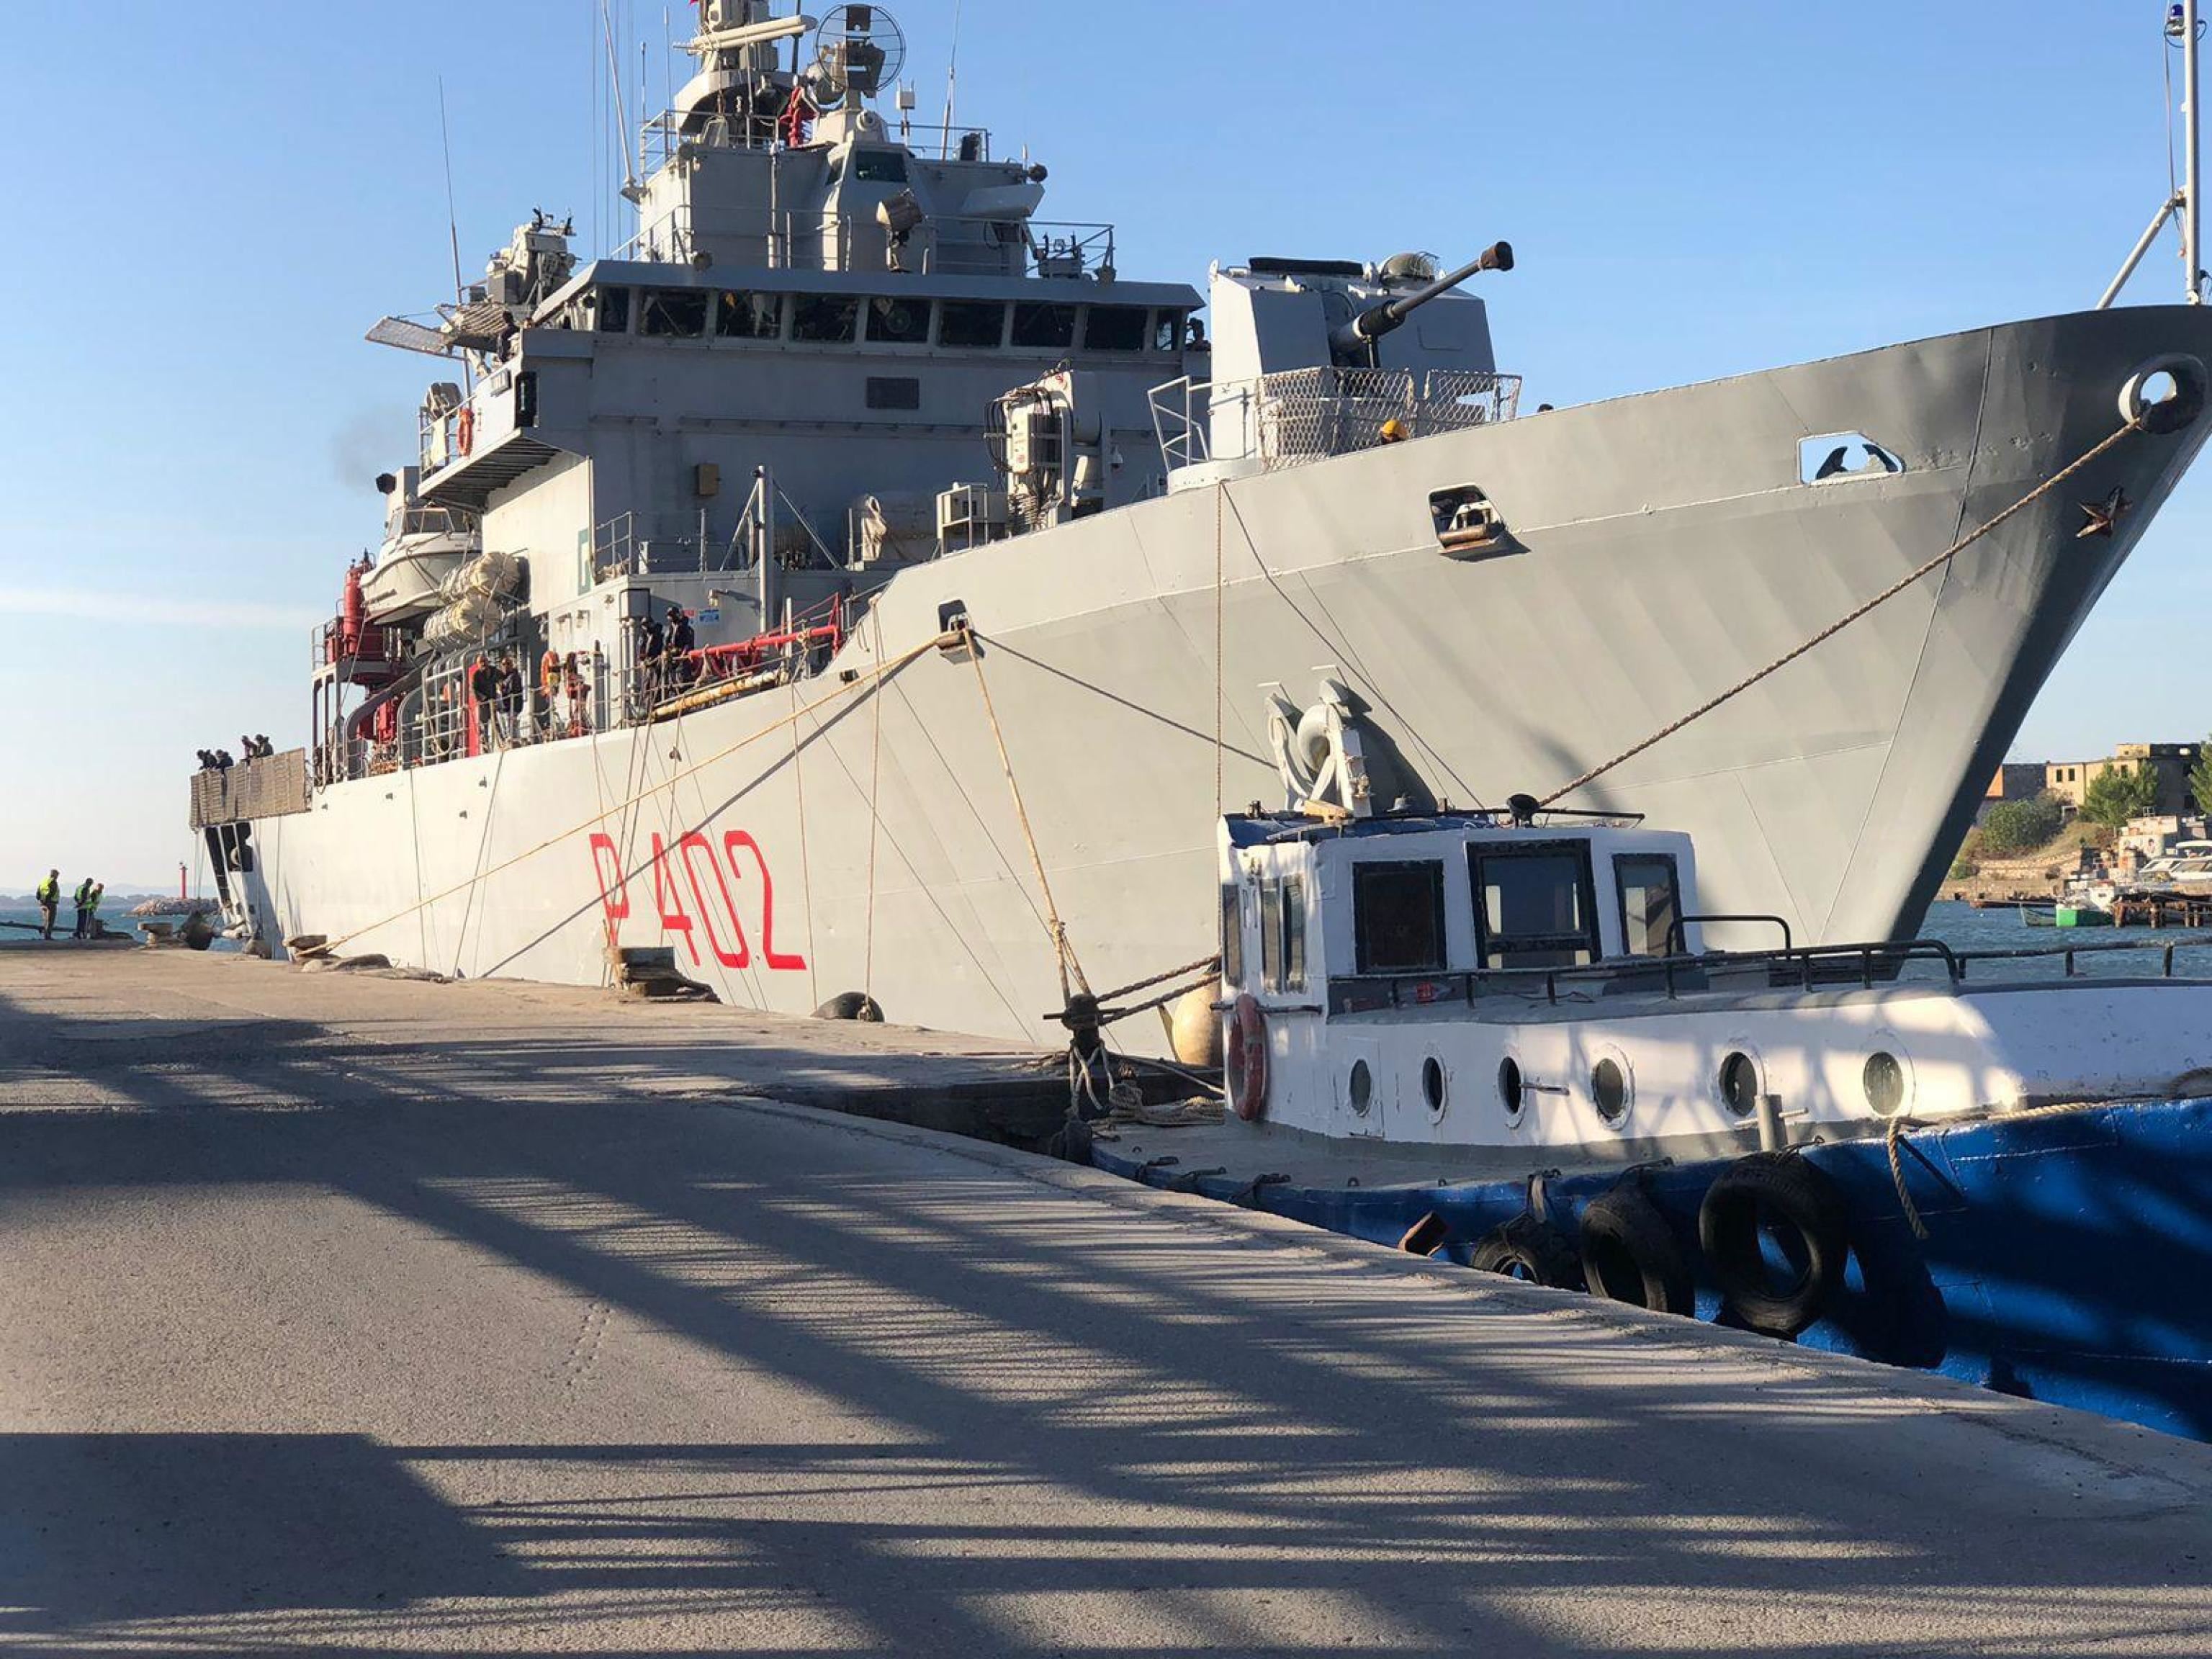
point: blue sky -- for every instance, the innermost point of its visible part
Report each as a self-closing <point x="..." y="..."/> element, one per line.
<point x="208" y="203"/>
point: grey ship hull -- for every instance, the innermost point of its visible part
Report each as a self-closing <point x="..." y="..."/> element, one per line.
<point x="1667" y="548"/>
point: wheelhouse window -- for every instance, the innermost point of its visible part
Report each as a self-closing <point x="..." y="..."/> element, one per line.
<point x="674" y="313"/>
<point x="1232" y="935"/>
<point x="971" y="324"/>
<point x="1168" y="330"/>
<point x="878" y="167"/>
<point x="748" y="316"/>
<point x="1651" y="903"/>
<point x="1398" y="917"/>
<point x="825" y="317"/>
<point x="1533" y="906"/>
<point x="1114" y="328"/>
<point x="1283" y="934"/>
<point x="1044" y="327"/>
<point x="610" y="311"/>
<point x="894" y="320"/>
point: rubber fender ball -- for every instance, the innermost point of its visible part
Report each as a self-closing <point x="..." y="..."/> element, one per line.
<point x="1196" y="1030"/>
<point x="852" y="1005"/>
<point x="1776" y="1233"/>
<point x="1629" y="1254"/>
<point x="1531" y="1251"/>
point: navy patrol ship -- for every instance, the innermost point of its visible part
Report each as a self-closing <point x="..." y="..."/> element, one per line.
<point x="896" y="591"/>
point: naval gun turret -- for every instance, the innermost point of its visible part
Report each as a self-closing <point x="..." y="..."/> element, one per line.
<point x="1351" y="345"/>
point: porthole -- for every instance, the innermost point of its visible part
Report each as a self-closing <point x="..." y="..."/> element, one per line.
<point x="1510" y="1095"/>
<point x="1612" y="1087"/>
<point x="1738" y="1082"/>
<point x="1884" y="1080"/>
<point x="1359" y="1087"/>
<point x="1432" y="1086"/>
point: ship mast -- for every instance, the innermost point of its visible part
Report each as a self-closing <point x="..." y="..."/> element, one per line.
<point x="2182" y="31"/>
<point x="2192" y="267"/>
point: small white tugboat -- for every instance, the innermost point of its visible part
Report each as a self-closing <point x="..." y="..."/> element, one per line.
<point x="1508" y="1038"/>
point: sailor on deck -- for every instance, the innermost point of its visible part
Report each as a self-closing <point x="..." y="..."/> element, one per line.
<point x="49" y="900"/>
<point x="83" y="899"/>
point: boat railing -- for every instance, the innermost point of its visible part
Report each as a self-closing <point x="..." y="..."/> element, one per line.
<point x="1302" y="415"/>
<point x="940" y="245"/>
<point x="681" y="682"/>
<point x="665" y="139"/>
<point x="1805" y="968"/>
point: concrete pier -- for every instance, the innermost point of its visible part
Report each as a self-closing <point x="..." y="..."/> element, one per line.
<point x="349" y="1316"/>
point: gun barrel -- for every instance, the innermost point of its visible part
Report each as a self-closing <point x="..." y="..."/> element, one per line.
<point x="1374" y="322"/>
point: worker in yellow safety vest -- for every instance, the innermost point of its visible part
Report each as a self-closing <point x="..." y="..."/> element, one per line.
<point x="49" y="900"/>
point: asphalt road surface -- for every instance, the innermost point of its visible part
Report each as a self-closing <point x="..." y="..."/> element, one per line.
<point x="343" y="1316"/>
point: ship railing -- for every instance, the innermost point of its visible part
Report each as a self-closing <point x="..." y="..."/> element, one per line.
<point x="1302" y="415"/>
<point x="938" y="245"/>
<point x="665" y="139"/>
<point x="615" y="547"/>
<point x="679" y="682"/>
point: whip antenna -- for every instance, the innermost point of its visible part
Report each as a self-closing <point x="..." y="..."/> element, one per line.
<point x="952" y="85"/>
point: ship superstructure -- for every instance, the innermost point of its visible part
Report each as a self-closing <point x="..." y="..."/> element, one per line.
<point x="896" y="591"/>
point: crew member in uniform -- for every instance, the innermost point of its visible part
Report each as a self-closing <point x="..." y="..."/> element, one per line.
<point x="49" y="900"/>
<point x="81" y="898"/>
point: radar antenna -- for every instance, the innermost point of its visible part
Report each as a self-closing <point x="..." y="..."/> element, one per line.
<point x="859" y="50"/>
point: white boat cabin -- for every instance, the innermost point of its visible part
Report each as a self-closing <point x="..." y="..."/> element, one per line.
<point x="1523" y="981"/>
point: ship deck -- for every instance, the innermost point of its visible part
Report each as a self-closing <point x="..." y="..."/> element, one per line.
<point x="351" y="1313"/>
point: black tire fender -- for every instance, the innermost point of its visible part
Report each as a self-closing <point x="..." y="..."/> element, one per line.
<point x="1628" y="1252"/>
<point x="1531" y="1251"/>
<point x="1776" y="1193"/>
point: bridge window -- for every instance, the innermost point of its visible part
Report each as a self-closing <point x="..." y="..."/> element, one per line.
<point x="1167" y="330"/>
<point x="1232" y="937"/>
<point x="748" y="316"/>
<point x="610" y="311"/>
<point x="1651" y="903"/>
<point x="674" y="313"/>
<point x="1532" y="906"/>
<point x="1114" y="328"/>
<point x="878" y="167"/>
<point x="898" y="321"/>
<point x="971" y="324"/>
<point x="824" y="316"/>
<point x="1044" y="328"/>
<point x="1398" y="917"/>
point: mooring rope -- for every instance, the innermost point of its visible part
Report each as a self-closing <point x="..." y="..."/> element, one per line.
<point x="1063" y="950"/>
<point x="875" y="677"/>
<point x="1220" y="634"/>
<point x="1894" y="1138"/>
<point x="875" y="814"/>
<point x="1845" y="621"/>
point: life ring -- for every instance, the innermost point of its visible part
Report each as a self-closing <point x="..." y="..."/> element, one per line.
<point x="1781" y="1197"/>
<point x="1248" y="1059"/>
<point x="1531" y="1251"/>
<point x="464" y="432"/>
<point x="1628" y="1252"/>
